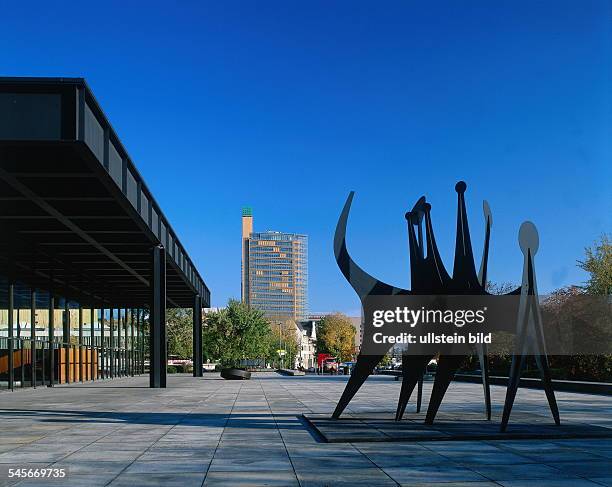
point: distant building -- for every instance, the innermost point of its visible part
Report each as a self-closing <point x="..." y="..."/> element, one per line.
<point x="358" y="324"/>
<point x="207" y="311"/>
<point x="307" y="343"/>
<point x="274" y="271"/>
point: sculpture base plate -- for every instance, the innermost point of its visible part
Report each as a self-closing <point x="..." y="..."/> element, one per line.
<point x="362" y="427"/>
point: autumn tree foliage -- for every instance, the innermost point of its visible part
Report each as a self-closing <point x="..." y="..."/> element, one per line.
<point x="336" y="336"/>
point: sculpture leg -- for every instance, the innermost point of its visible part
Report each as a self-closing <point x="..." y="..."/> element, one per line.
<point x="447" y="366"/>
<point x="413" y="367"/>
<point x="484" y="370"/>
<point x="363" y="368"/>
<point x="518" y="362"/>
<point x="419" y="394"/>
<point x="516" y="367"/>
<point x="542" y="364"/>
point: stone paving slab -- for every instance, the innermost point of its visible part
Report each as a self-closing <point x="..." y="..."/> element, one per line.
<point x="207" y="431"/>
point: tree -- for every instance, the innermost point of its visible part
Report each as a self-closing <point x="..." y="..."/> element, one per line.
<point x="500" y="352"/>
<point x="598" y="263"/>
<point x="179" y="331"/>
<point x="386" y="360"/>
<point x="283" y="337"/>
<point x="581" y="314"/>
<point x="499" y="288"/>
<point x="578" y="323"/>
<point x="336" y="336"/>
<point x="235" y="333"/>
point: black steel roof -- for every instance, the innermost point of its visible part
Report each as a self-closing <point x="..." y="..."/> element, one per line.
<point x="75" y="214"/>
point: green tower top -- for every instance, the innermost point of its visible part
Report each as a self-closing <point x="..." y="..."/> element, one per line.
<point x="247" y="211"/>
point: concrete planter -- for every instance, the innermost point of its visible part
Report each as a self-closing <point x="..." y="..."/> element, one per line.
<point x="290" y="372"/>
<point x="235" y="374"/>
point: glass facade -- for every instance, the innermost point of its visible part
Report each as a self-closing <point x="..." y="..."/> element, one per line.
<point x="278" y="274"/>
<point x="47" y="340"/>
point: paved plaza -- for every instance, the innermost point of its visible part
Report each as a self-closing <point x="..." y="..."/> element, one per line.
<point x="215" y="432"/>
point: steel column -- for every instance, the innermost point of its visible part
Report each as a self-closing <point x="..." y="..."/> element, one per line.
<point x="119" y="356"/>
<point x="80" y="343"/>
<point x="142" y="341"/>
<point x="157" y="320"/>
<point x="139" y="327"/>
<point x="124" y="350"/>
<point x="120" y="342"/>
<point x="92" y="333"/>
<point x="21" y="344"/>
<point x="112" y="343"/>
<point x="119" y="370"/>
<point x="33" y="335"/>
<point x="197" y="336"/>
<point x="11" y="346"/>
<point x="66" y="340"/>
<point x="132" y="355"/>
<point x="102" y="358"/>
<point x="125" y="343"/>
<point x="51" y="339"/>
<point x="137" y="336"/>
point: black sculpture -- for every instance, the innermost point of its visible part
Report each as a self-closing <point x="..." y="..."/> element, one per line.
<point x="429" y="277"/>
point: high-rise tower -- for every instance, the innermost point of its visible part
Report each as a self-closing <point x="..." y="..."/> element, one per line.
<point x="274" y="271"/>
<point x="247" y="229"/>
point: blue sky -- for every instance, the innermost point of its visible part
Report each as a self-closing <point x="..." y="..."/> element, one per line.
<point x="287" y="106"/>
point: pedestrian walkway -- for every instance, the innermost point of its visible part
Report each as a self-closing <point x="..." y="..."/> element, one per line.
<point x="208" y="431"/>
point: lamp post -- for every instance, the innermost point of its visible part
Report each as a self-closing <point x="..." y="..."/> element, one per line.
<point x="280" y="343"/>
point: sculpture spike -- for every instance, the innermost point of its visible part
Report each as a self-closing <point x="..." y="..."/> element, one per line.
<point x="464" y="272"/>
<point x="481" y="349"/>
<point x="484" y="263"/>
<point x="416" y="261"/>
<point x="438" y="275"/>
<point x="363" y="283"/>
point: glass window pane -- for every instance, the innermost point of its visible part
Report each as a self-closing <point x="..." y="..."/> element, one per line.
<point x="74" y="323"/>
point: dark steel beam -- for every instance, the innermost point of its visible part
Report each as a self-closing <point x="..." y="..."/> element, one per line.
<point x="53" y="175"/>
